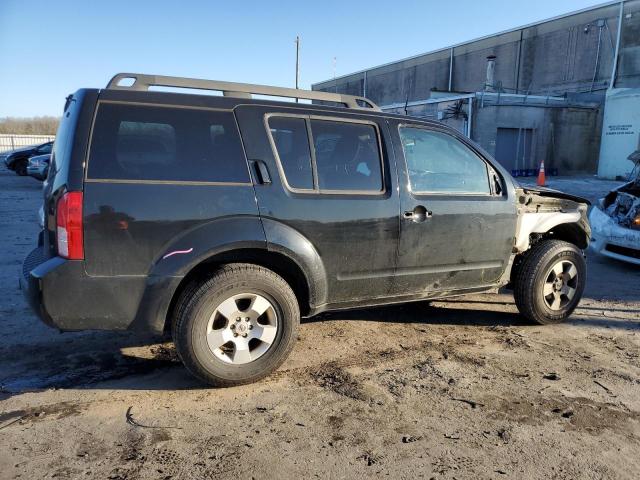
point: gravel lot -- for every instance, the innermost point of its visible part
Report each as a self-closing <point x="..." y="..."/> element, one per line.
<point x="457" y="389"/>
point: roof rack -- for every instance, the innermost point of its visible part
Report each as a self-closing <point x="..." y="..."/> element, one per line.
<point x="142" y="82"/>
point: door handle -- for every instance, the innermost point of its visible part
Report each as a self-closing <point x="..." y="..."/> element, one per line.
<point x="262" y="172"/>
<point x="418" y="215"/>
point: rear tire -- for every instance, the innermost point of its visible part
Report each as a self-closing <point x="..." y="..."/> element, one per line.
<point x="21" y="168"/>
<point x="236" y="327"/>
<point x="549" y="282"/>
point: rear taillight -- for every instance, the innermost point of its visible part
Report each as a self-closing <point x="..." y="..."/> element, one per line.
<point x="69" y="226"/>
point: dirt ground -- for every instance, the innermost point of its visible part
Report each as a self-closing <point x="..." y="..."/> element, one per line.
<point x="458" y="389"/>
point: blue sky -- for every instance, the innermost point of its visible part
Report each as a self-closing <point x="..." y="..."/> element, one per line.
<point x="50" y="48"/>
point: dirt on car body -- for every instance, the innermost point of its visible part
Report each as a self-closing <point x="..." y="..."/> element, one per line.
<point x="453" y="389"/>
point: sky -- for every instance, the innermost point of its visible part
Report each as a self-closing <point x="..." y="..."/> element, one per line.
<point x="51" y="48"/>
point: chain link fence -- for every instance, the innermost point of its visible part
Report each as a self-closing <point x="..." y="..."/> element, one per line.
<point x="10" y="142"/>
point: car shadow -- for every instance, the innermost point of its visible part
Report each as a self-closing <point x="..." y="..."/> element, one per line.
<point x="425" y="313"/>
<point x="114" y="366"/>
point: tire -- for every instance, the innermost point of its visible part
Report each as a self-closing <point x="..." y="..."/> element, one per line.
<point x="221" y="309"/>
<point x="21" y="168"/>
<point x="550" y="281"/>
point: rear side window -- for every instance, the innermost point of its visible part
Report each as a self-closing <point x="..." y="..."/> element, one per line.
<point x="134" y="142"/>
<point x="343" y="156"/>
<point x="347" y="156"/>
<point x="290" y="137"/>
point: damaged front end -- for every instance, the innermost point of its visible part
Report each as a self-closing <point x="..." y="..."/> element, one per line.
<point x="546" y="213"/>
<point x="616" y="222"/>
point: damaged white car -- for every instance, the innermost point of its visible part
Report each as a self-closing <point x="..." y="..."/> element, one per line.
<point x="615" y="220"/>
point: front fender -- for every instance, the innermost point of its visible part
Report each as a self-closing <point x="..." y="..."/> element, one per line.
<point x="540" y="223"/>
<point x="541" y="211"/>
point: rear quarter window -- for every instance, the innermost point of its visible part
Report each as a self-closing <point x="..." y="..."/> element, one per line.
<point x="136" y="142"/>
<point x="292" y="144"/>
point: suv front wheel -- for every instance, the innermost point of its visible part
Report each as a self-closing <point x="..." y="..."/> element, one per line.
<point x="21" y="167"/>
<point x="549" y="282"/>
<point x="238" y="326"/>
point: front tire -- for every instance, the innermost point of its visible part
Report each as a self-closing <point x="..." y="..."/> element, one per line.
<point x="21" y="168"/>
<point x="237" y="327"/>
<point x="550" y="281"/>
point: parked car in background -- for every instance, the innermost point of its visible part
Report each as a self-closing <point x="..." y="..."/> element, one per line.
<point x="18" y="159"/>
<point x="226" y="218"/>
<point x="615" y="220"/>
<point x="38" y="166"/>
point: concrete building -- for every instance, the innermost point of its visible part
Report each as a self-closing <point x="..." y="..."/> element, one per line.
<point x="533" y="93"/>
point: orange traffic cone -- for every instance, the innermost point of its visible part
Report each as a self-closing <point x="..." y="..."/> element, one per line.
<point x="541" y="178"/>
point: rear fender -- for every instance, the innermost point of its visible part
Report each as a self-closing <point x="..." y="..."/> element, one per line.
<point x="183" y="254"/>
<point x="194" y="246"/>
<point x="224" y="235"/>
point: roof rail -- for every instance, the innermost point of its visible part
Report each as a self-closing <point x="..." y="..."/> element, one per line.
<point x="142" y="82"/>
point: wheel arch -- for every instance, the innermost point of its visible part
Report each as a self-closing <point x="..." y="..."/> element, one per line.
<point x="570" y="232"/>
<point x="230" y="240"/>
<point x="277" y="262"/>
<point x="571" y="227"/>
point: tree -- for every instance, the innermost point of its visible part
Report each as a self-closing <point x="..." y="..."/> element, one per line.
<point x="29" y="126"/>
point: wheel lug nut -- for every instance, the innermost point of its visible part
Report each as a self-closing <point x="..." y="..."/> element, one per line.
<point x="244" y="335"/>
<point x="235" y="334"/>
<point x="250" y="327"/>
<point x="233" y="326"/>
<point x="238" y="319"/>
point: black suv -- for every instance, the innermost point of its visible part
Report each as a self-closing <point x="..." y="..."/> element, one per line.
<point x="226" y="218"/>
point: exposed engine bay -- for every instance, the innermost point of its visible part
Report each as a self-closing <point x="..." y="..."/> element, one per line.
<point x="623" y="205"/>
<point x="616" y="220"/>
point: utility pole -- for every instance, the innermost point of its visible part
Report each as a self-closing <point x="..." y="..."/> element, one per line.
<point x="297" y="61"/>
<point x="335" y="83"/>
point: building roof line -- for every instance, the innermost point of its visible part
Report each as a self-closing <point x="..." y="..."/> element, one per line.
<point x="467" y="42"/>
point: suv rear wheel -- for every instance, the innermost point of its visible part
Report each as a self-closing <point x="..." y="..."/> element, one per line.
<point x="549" y="282"/>
<point x="238" y="326"/>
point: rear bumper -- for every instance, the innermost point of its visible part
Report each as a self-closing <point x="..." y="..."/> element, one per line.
<point x="33" y="268"/>
<point x="613" y="240"/>
<point x="66" y="298"/>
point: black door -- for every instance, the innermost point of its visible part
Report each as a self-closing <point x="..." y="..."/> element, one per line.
<point x="456" y="230"/>
<point x="332" y="184"/>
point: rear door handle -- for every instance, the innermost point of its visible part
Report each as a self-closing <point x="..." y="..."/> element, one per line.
<point x="419" y="214"/>
<point x="262" y="172"/>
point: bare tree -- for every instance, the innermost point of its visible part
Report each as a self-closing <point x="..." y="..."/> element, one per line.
<point x="29" y="126"/>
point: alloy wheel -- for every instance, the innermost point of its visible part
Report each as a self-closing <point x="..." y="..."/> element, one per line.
<point x="242" y="328"/>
